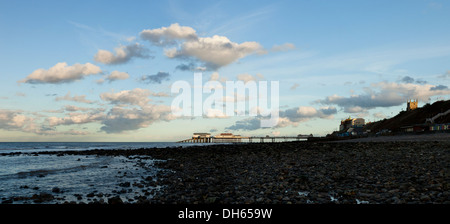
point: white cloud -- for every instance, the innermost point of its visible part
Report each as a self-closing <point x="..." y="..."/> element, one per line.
<point x="355" y="109"/>
<point x="116" y="75"/>
<point x="13" y="120"/>
<point x="213" y="52"/>
<point x="136" y="96"/>
<point x="17" y="121"/>
<point x="80" y="99"/>
<point x="75" y="108"/>
<point x="76" y="118"/>
<point x="169" y="35"/>
<point x="122" y="54"/>
<point x="215" y="113"/>
<point x="61" y="73"/>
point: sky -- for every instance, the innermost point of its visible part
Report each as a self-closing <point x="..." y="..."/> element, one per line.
<point x="104" y="70"/>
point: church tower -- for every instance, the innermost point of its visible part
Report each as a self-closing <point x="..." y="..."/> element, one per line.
<point x="411" y="104"/>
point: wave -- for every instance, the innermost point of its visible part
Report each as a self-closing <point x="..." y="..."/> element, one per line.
<point x="45" y="172"/>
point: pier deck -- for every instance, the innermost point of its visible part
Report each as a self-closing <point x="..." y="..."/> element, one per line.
<point x="250" y="139"/>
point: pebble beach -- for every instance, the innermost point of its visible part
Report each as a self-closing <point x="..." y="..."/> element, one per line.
<point x="357" y="172"/>
<point x="308" y="173"/>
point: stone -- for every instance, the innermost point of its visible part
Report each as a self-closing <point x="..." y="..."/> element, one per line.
<point x="115" y="200"/>
<point x="56" y="190"/>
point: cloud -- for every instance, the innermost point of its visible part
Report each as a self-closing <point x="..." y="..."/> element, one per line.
<point x="385" y="94"/>
<point x="305" y="113"/>
<point x="247" y="77"/>
<point x="11" y="120"/>
<point x="61" y="73"/>
<point x="439" y="87"/>
<point x="215" y="113"/>
<point x="445" y="75"/>
<point x="249" y="124"/>
<point x="294" y="86"/>
<point x="75" y="108"/>
<point x="191" y="67"/>
<point x="408" y="79"/>
<point x="124" y="119"/>
<point x="213" y="52"/>
<point x="355" y="109"/>
<point x="80" y="99"/>
<point x="76" y="118"/>
<point x="216" y="77"/>
<point x="283" y="47"/>
<point x="276" y="133"/>
<point x="136" y="96"/>
<point x="157" y="78"/>
<point x="116" y="120"/>
<point x="116" y="75"/>
<point x="14" y="120"/>
<point x="292" y="116"/>
<point x="122" y="54"/>
<point x="169" y="35"/>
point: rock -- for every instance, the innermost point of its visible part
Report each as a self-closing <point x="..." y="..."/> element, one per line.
<point x="42" y="197"/>
<point x="425" y="198"/>
<point x="115" y="200"/>
<point x="56" y="190"/>
<point x="125" y="184"/>
<point x="7" y="201"/>
<point x="210" y="200"/>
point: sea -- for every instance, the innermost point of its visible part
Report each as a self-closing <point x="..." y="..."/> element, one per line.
<point x="29" y="177"/>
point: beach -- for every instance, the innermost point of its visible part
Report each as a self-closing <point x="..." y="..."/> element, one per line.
<point x="394" y="172"/>
<point x="358" y="172"/>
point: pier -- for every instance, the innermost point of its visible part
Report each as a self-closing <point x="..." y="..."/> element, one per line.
<point x="273" y="138"/>
<point x="230" y="138"/>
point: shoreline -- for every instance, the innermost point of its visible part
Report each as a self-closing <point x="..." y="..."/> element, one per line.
<point x="309" y="173"/>
<point x="394" y="172"/>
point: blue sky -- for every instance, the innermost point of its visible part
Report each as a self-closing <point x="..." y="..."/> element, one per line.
<point x="102" y="70"/>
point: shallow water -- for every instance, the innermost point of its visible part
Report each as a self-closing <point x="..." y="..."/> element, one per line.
<point x="80" y="178"/>
<point x="72" y="176"/>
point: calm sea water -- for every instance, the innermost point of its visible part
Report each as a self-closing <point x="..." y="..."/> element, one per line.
<point x="74" y="177"/>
